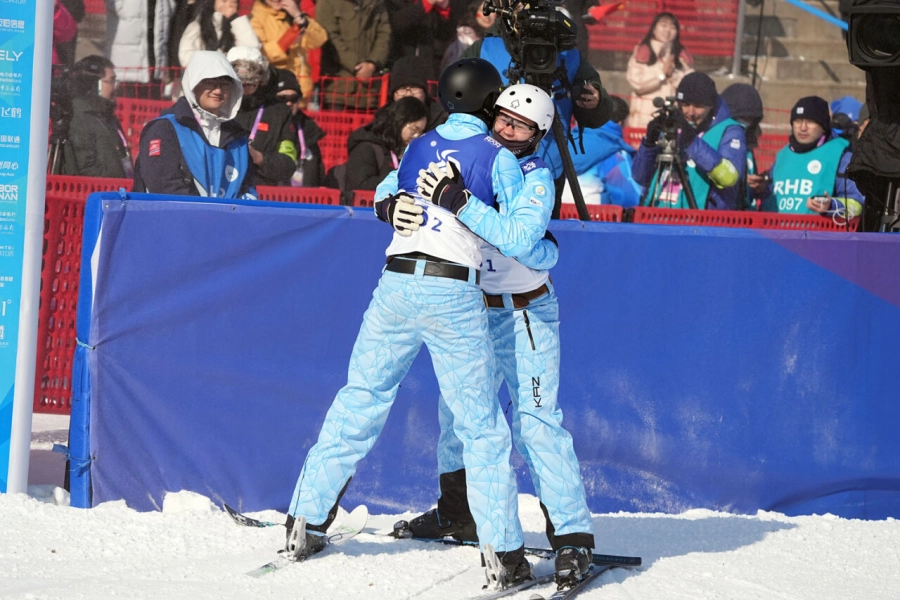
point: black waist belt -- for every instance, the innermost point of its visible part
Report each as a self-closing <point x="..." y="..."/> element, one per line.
<point x="519" y="300"/>
<point x="407" y="266"/>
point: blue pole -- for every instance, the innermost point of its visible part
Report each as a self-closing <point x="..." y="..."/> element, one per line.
<point x="822" y="15"/>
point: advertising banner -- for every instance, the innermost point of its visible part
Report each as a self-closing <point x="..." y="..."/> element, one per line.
<point x="25" y="37"/>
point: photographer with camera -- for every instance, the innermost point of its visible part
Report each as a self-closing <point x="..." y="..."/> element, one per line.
<point x="710" y="144"/>
<point x="95" y="144"/>
<point x="809" y="175"/>
<point x="572" y="82"/>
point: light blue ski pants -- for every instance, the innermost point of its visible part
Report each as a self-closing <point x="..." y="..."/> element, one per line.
<point x="526" y="345"/>
<point x="450" y="318"/>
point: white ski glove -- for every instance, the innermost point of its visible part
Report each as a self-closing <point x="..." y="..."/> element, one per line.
<point x="401" y="211"/>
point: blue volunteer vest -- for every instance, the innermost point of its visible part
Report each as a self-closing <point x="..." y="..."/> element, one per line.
<point x="221" y="171"/>
<point x="699" y="181"/>
<point x="474" y="155"/>
<point x="797" y="177"/>
<point x="494" y="51"/>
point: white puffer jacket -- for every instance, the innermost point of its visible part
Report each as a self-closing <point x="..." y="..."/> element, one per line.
<point x="191" y="40"/>
<point x="127" y="43"/>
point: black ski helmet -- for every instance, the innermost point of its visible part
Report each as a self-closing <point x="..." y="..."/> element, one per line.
<point x="469" y="85"/>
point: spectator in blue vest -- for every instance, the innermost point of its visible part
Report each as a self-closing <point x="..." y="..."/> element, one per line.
<point x="809" y="175"/>
<point x="195" y="148"/>
<point x="711" y="144"/>
<point x="604" y="168"/>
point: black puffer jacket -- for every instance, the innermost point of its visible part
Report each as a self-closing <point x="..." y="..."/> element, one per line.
<point x="95" y="146"/>
<point x="368" y="161"/>
<point x="313" y="168"/>
<point x="275" y="129"/>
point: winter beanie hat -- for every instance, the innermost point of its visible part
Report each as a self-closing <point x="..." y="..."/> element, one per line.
<point x="698" y="89"/>
<point x="287" y="81"/>
<point x="813" y="108"/>
<point x="409" y="71"/>
<point x="743" y="102"/>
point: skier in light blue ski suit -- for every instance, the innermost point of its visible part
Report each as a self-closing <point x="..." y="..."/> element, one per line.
<point x="428" y="294"/>
<point x="524" y="325"/>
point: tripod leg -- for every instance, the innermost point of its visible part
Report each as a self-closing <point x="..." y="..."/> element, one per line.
<point x="569" y="170"/>
<point x="685" y="183"/>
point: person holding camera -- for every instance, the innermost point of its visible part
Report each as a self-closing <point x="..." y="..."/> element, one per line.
<point x="809" y="175"/>
<point x="96" y="145"/>
<point x="287" y="35"/>
<point x="710" y="144"/>
<point x="586" y="99"/>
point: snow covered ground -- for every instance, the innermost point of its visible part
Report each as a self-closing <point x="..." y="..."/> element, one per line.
<point x="193" y="551"/>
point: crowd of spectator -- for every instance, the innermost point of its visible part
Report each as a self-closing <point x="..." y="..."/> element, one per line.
<point x="716" y="133"/>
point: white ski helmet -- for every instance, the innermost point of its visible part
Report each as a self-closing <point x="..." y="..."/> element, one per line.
<point x="528" y="101"/>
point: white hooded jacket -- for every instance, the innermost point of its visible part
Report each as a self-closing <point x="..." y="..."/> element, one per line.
<point x="207" y="64"/>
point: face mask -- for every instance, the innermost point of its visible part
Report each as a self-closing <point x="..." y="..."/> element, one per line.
<point x="519" y="148"/>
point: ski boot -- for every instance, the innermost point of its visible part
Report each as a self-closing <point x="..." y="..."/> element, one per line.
<point x="571" y="565"/>
<point x="431" y="526"/>
<point x="505" y="569"/>
<point x="302" y="543"/>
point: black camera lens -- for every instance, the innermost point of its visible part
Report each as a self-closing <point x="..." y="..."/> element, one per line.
<point x="878" y="37"/>
<point x="539" y="57"/>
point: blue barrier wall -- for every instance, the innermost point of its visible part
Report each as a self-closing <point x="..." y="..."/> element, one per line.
<point x="724" y="369"/>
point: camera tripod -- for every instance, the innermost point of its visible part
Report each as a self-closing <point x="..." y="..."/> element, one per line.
<point x="669" y="169"/>
<point x="890" y="216"/>
<point x="55" y="154"/>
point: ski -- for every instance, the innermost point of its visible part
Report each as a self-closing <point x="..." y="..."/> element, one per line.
<point x="515" y="589"/>
<point x="349" y="527"/>
<point x="545" y="553"/>
<point x="569" y="593"/>
<point x="246" y="521"/>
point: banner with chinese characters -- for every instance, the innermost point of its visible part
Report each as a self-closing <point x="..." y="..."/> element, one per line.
<point x="25" y="54"/>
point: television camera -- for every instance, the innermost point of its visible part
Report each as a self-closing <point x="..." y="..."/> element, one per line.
<point x="534" y="33"/>
<point x="873" y="44"/>
<point x="669" y="162"/>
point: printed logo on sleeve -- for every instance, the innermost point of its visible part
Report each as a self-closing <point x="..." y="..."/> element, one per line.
<point x="154" y="147"/>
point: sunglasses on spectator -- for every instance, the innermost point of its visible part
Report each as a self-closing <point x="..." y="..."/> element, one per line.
<point x="289" y="99"/>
